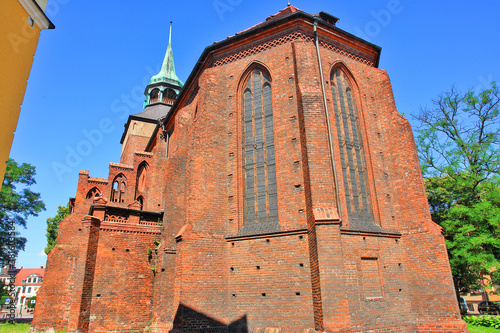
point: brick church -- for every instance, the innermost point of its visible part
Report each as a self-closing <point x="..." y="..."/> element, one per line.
<point x="277" y="190"/>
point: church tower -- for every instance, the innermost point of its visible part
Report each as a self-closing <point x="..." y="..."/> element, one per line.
<point x="161" y="93"/>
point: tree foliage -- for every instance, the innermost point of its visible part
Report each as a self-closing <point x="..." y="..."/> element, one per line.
<point x="459" y="148"/>
<point x="53" y="227"/>
<point x="16" y="205"/>
<point x="3" y="289"/>
<point x="30" y="304"/>
<point x="460" y="135"/>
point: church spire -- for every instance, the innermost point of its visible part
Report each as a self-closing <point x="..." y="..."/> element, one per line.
<point x="167" y="72"/>
<point x="165" y="86"/>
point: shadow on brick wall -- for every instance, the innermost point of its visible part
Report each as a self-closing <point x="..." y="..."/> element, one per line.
<point x="192" y="321"/>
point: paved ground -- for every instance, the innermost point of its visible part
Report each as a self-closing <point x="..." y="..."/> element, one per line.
<point x="20" y="314"/>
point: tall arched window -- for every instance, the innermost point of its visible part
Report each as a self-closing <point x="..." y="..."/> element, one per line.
<point x="261" y="200"/>
<point x="352" y="155"/>
<point x="119" y="187"/>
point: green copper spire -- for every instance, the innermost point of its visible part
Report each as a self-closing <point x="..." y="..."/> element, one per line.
<point x="167" y="72"/>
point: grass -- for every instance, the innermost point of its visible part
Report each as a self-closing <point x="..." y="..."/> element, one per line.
<point x="482" y="329"/>
<point x="24" y="328"/>
<point x="14" y="328"/>
<point x="17" y="328"/>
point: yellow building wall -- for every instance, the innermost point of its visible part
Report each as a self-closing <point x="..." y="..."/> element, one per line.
<point x="18" y="42"/>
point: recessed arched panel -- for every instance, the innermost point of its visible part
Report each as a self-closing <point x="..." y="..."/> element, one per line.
<point x="142" y="176"/>
<point x="352" y="152"/>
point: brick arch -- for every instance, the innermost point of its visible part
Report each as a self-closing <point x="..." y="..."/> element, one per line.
<point x="248" y="69"/>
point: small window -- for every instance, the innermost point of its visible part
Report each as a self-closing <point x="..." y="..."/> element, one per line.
<point x="23" y="281"/>
<point x="29" y="290"/>
<point x="93" y="193"/>
<point x="140" y="200"/>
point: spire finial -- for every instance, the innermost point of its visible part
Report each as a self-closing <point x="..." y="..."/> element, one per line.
<point x="288" y="3"/>
<point x="170" y="33"/>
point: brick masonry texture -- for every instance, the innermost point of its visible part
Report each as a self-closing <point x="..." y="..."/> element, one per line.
<point x="181" y="263"/>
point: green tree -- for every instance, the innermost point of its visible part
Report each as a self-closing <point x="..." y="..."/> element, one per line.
<point x="16" y="206"/>
<point x="53" y="227"/>
<point x="3" y="289"/>
<point x="459" y="148"/>
<point x="30" y="304"/>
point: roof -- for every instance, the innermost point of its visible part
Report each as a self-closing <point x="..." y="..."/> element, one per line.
<point x="285" y="15"/>
<point x="285" y="11"/>
<point x="23" y="274"/>
<point x="153" y="112"/>
<point x="288" y="10"/>
<point x="150" y="114"/>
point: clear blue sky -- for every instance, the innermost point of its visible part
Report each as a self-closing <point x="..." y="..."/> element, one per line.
<point x="88" y="70"/>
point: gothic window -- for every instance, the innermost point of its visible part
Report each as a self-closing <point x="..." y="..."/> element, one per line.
<point x="352" y="155"/>
<point x="118" y="190"/>
<point x="260" y="190"/>
<point x="93" y="193"/>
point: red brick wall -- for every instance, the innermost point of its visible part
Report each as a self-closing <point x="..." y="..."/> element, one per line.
<point x="122" y="292"/>
<point x="269" y="279"/>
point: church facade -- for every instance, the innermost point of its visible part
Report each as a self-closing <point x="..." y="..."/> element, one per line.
<point x="278" y="188"/>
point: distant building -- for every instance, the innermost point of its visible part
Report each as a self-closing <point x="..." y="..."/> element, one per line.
<point x="28" y="281"/>
<point x="22" y="21"/>
<point x="26" y="284"/>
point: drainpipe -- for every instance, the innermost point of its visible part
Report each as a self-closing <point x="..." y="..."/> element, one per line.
<point x="329" y="132"/>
